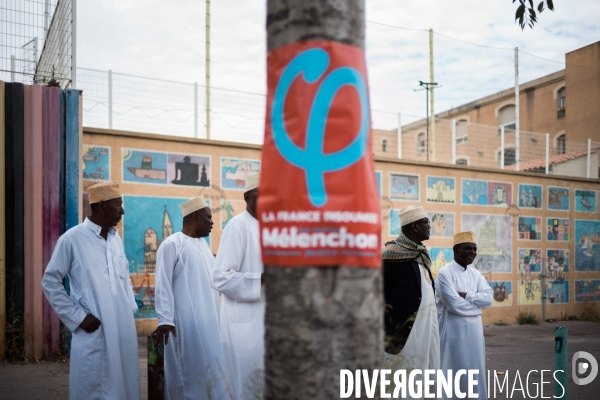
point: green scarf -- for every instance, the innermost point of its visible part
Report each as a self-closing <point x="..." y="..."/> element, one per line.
<point x="404" y="249"/>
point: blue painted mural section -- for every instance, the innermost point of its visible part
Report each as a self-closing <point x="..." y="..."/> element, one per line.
<point x="143" y="166"/>
<point x="234" y="172"/>
<point x="96" y="162"/>
<point x="378" y="180"/>
<point x="587" y="245"/>
<point x="72" y="158"/>
<point x="586" y="201"/>
<point x="530" y="196"/>
<point x="557" y="292"/>
<point x="558" y="198"/>
<point x="587" y="290"/>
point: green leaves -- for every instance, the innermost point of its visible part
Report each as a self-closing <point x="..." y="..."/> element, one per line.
<point x="527" y="14"/>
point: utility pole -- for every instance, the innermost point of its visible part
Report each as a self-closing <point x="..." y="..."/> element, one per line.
<point x="427" y="86"/>
<point x="208" y="69"/>
<point x="432" y="95"/>
<point x="517" y="134"/>
<point x="319" y="319"/>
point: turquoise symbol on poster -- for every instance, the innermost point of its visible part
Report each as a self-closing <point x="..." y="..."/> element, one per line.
<point x="312" y="64"/>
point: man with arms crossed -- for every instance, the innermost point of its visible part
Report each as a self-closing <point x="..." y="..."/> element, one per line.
<point x="462" y="292"/>
<point x="99" y="312"/>
<point x="186" y="309"/>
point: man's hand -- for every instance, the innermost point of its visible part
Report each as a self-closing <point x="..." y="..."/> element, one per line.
<point x="90" y="323"/>
<point x="462" y="294"/>
<point x="163" y="331"/>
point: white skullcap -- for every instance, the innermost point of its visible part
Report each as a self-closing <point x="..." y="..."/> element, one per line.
<point x="411" y="214"/>
<point x="193" y="204"/>
<point x="103" y="191"/>
<point x="252" y="182"/>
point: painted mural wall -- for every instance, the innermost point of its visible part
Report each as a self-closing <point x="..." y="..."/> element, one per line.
<point x="525" y="225"/>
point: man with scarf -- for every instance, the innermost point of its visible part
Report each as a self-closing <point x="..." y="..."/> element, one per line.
<point x="411" y="326"/>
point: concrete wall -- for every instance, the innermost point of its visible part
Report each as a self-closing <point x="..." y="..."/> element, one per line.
<point x="513" y="215"/>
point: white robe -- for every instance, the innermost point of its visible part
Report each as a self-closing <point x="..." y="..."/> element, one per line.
<point x="422" y="348"/>
<point x="104" y="363"/>
<point x="194" y="362"/>
<point x="461" y="329"/>
<point x="237" y="273"/>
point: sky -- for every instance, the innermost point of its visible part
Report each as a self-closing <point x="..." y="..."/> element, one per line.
<point x="166" y="40"/>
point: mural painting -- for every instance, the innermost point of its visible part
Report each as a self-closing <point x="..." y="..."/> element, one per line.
<point x="530" y="261"/>
<point x="147" y="222"/>
<point x="587" y="201"/>
<point x="484" y="193"/>
<point x="441" y="189"/>
<point x="558" y="229"/>
<point x="229" y="209"/>
<point x="557" y="292"/>
<point x="503" y="295"/>
<point x="494" y="241"/>
<point x="530" y="228"/>
<point x="442" y="223"/>
<point x="235" y="170"/>
<point x="394" y="225"/>
<point x="558" y="198"/>
<point x="530" y="196"/>
<point x="378" y="181"/>
<point x="587" y="245"/>
<point x="141" y="166"/>
<point x="96" y="162"/>
<point x="557" y="264"/>
<point x="587" y="290"/>
<point x="530" y="292"/>
<point x="440" y="256"/>
<point x="189" y="170"/>
<point x="404" y="187"/>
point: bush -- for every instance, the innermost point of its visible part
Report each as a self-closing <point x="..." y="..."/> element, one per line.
<point x="528" y="318"/>
<point x="500" y="323"/>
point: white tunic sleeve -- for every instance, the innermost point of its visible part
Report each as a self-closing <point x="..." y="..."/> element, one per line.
<point x="451" y="299"/>
<point x="166" y="260"/>
<point x="228" y="278"/>
<point x="482" y="297"/>
<point x="128" y="285"/>
<point x="58" y="267"/>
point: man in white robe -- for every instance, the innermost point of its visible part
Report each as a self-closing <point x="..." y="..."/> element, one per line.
<point x="411" y="325"/>
<point x="461" y="293"/>
<point x="99" y="311"/>
<point x="194" y="364"/>
<point x="238" y="276"/>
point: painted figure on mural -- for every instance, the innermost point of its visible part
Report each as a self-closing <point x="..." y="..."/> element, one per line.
<point x="99" y="311"/>
<point x="499" y="196"/>
<point x="438" y="224"/>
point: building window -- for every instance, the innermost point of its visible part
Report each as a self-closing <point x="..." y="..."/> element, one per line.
<point x="462" y="161"/>
<point x="561" y="144"/>
<point x="462" y="132"/>
<point x="421" y="143"/>
<point x="510" y="157"/>
<point x="507" y="118"/>
<point x="384" y="145"/>
<point x="562" y="103"/>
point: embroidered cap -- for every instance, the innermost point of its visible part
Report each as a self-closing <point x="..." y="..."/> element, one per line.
<point x="103" y="191"/>
<point x="193" y="204"/>
<point x="411" y="214"/>
<point x="464" y="237"/>
<point x="252" y="182"/>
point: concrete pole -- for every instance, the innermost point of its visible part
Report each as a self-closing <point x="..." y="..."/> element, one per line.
<point x="517" y="150"/>
<point x="453" y="141"/>
<point x="561" y="363"/>
<point x="74" y="44"/>
<point x="431" y="99"/>
<point x="543" y="284"/>
<point x="208" y="69"/>
<point x="13" y="68"/>
<point x="589" y="159"/>
<point x="547" y="153"/>
<point x="196" y="109"/>
<point x="399" y="135"/>
<point x="110" y="100"/>
<point x="502" y="147"/>
<point x="319" y="319"/>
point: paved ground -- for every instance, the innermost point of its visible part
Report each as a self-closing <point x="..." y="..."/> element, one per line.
<point x="511" y="348"/>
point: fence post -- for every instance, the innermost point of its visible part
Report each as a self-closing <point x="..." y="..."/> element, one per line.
<point x="13" y="68"/>
<point x="589" y="159"/>
<point x="399" y="135"/>
<point x="502" y="147"/>
<point x="110" y="100"/>
<point x="547" y="153"/>
<point x="543" y="284"/>
<point x="453" y="141"/>
<point x="74" y="44"/>
<point x="560" y="362"/>
<point x="196" y="109"/>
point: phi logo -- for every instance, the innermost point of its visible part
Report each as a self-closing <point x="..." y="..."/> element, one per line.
<point x="312" y="64"/>
<point x="580" y="368"/>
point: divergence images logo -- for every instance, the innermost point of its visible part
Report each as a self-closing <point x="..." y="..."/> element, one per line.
<point x="312" y="64"/>
<point x="583" y="367"/>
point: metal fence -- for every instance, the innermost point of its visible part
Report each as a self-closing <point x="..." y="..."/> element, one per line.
<point x="37" y="41"/>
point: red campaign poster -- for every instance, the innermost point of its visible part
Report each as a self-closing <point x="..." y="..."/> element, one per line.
<point x="318" y="202"/>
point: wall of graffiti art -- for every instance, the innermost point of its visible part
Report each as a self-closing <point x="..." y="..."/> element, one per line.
<point x="441" y="189"/>
<point x="557" y="292"/>
<point x="530" y="228"/>
<point x="404" y="187"/>
<point x="440" y="256"/>
<point x="587" y="290"/>
<point x="96" y="162"/>
<point x="587" y="245"/>
<point x="235" y="170"/>
<point x="503" y="295"/>
<point x="494" y="241"/>
<point x="530" y="196"/>
<point x="558" y="198"/>
<point x="442" y="223"/>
